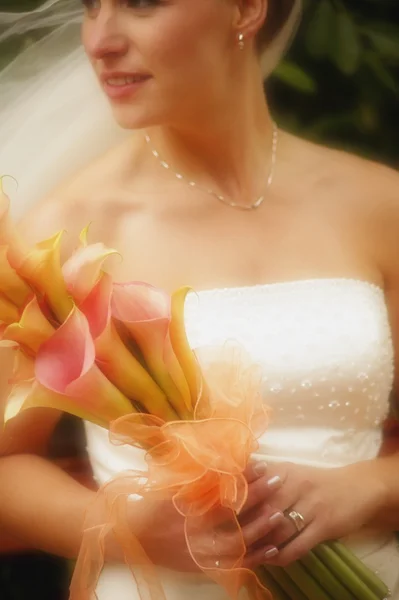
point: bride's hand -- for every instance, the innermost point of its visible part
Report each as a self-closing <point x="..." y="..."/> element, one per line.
<point x="331" y="503"/>
<point x="160" y="530"/>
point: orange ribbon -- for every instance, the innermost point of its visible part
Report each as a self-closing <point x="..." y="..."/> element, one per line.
<point x="199" y="464"/>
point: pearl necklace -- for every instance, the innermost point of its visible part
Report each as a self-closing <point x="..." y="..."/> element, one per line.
<point x="223" y="199"/>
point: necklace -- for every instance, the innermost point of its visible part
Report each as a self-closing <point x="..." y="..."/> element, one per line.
<point x="223" y="199"/>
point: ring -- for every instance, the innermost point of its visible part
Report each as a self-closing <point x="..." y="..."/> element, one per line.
<point x="297" y="519"/>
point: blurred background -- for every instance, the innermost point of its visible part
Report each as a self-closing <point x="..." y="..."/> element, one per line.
<point x="338" y="85"/>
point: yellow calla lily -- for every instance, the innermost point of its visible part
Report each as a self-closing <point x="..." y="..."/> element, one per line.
<point x="9" y="313"/>
<point x="8" y="234"/>
<point x="32" y="330"/>
<point x="11" y="285"/>
<point x="181" y="347"/>
<point x="41" y="268"/>
<point x="145" y="312"/>
<point x="127" y="374"/>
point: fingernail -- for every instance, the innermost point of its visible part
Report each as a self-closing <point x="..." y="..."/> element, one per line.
<point x="274" y="482"/>
<point x="271" y="552"/>
<point x="276" y="518"/>
<point x="260" y="468"/>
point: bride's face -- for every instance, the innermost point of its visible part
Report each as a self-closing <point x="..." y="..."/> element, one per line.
<point x="161" y="61"/>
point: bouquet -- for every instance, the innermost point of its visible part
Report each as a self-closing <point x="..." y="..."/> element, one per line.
<point x="118" y="355"/>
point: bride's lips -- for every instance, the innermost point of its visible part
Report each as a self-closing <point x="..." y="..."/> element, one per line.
<point x="119" y="85"/>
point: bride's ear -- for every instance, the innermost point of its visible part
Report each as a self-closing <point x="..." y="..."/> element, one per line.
<point x="250" y="17"/>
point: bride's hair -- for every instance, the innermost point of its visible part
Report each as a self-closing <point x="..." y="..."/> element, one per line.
<point x="278" y="13"/>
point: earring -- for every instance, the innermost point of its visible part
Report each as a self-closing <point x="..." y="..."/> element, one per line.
<point x="241" y="41"/>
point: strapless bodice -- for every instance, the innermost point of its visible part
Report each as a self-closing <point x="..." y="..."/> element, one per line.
<point x="326" y="354"/>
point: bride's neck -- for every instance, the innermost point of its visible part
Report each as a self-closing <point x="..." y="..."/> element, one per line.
<point x="228" y="148"/>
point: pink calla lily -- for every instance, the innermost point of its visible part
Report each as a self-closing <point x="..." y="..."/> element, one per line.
<point x="146" y="312"/>
<point x="97" y="305"/>
<point x="83" y="270"/>
<point x="68" y="379"/>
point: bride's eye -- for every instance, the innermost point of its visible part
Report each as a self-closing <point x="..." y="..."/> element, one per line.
<point x="91" y="6"/>
<point x="95" y="5"/>
<point x="141" y="3"/>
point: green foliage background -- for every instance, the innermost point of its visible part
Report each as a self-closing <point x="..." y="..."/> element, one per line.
<point x="339" y="83"/>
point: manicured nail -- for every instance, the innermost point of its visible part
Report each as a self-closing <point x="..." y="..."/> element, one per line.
<point x="260" y="468"/>
<point x="274" y="483"/>
<point x="276" y="517"/>
<point x="271" y="552"/>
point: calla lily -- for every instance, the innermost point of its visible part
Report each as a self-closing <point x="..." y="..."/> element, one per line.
<point x="146" y="312"/>
<point x="5" y="226"/>
<point x="68" y="379"/>
<point x="11" y="285"/>
<point x="83" y="270"/>
<point x="181" y="347"/>
<point x="42" y="269"/>
<point x="8" y="234"/>
<point x="24" y="368"/>
<point x="8" y="311"/>
<point x="127" y="374"/>
<point x="32" y="330"/>
<point x="97" y="305"/>
<point x="115" y="359"/>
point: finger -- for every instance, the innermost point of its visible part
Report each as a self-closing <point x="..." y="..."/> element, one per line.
<point x="255" y="470"/>
<point x="258" y="528"/>
<point x="260" y="490"/>
<point x="297" y="548"/>
<point x="288" y="530"/>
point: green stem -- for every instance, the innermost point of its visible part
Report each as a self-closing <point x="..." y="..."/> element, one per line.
<point x="285" y="582"/>
<point x="306" y="583"/>
<point x="344" y="573"/>
<point x="325" y="577"/>
<point x="272" y="585"/>
<point x="363" y="571"/>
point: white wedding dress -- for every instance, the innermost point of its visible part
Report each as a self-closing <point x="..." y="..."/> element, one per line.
<point x="326" y="352"/>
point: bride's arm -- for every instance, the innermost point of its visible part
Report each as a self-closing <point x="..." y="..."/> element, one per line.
<point x="40" y="505"/>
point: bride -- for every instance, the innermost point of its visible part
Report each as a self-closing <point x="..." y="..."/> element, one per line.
<point x="292" y="247"/>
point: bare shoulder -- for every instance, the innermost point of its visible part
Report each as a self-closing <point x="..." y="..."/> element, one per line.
<point x="78" y="201"/>
<point x="343" y="171"/>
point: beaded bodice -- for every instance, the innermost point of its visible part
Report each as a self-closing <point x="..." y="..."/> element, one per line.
<point x="327" y="359"/>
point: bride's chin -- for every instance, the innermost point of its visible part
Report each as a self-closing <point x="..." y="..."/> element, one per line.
<point x="129" y="117"/>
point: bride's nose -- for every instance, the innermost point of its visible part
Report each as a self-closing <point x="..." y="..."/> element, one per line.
<point x="106" y="39"/>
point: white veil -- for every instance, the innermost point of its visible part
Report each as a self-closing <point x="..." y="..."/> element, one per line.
<point x="53" y="117"/>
